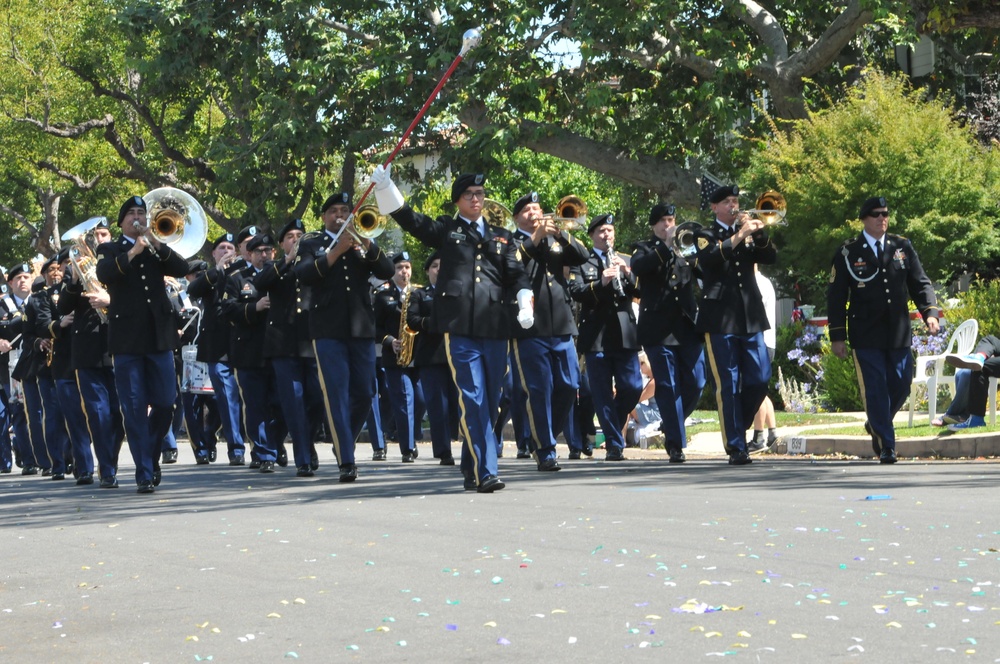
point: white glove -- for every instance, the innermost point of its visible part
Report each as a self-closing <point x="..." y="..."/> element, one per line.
<point x="525" y="308"/>
<point x="386" y="194"/>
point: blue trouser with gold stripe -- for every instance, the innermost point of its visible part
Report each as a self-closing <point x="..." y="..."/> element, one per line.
<point x="741" y="369"/>
<point x="615" y="384"/>
<point x="346" y="368"/>
<point x="147" y="390"/>
<point x="548" y="373"/>
<point x="679" y="376"/>
<point x="478" y="367"/>
<point x="885" y="376"/>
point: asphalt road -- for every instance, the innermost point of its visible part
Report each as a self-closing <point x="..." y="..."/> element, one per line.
<point x="781" y="561"/>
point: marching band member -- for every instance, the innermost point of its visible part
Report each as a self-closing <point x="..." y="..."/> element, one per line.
<point x="666" y="327"/>
<point x="34" y="346"/>
<point x="479" y="272"/>
<point x="95" y="378"/>
<point x="731" y="315"/>
<point x="605" y="286"/>
<point x="11" y="327"/>
<point x="287" y="347"/>
<point x="142" y="336"/>
<point x="545" y="361"/>
<point x="342" y="323"/>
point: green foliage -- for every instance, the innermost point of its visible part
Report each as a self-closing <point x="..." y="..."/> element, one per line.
<point x="840" y="384"/>
<point x="881" y="139"/>
<point x="982" y="302"/>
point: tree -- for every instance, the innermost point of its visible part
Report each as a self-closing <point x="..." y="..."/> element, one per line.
<point x="882" y="139"/>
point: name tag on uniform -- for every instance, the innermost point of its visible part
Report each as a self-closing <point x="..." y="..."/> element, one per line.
<point x="455" y="235"/>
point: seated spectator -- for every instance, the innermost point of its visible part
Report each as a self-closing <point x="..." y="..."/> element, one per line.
<point x="982" y="364"/>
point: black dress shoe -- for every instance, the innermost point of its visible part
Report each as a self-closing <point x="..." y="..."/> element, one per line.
<point x="157" y="476"/>
<point x="58" y="476"/>
<point x="29" y="470"/>
<point x="304" y="471"/>
<point x="876" y="448"/>
<point x="378" y="455"/>
<point x="237" y="460"/>
<point x="408" y="457"/>
<point x="46" y="472"/>
<point x="448" y="460"/>
<point x="145" y="487"/>
<point x="213" y="454"/>
<point x="282" y="456"/>
<point x="521" y="454"/>
<point x="110" y="482"/>
<point x="469" y="483"/>
<point x="739" y="459"/>
<point x="676" y="455"/>
<point x="169" y="456"/>
<point x="574" y="455"/>
<point x="201" y="460"/>
<point x="255" y="464"/>
<point x="348" y="472"/>
<point x="887" y="456"/>
<point x="415" y="451"/>
<point x="86" y="478"/>
<point x="549" y="465"/>
<point x="613" y="455"/>
<point x="267" y="466"/>
<point x="5" y="470"/>
<point x="588" y="451"/>
<point x="490" y="484"/>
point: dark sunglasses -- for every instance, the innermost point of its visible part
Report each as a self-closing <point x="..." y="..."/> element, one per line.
<point x="876" y="215"/>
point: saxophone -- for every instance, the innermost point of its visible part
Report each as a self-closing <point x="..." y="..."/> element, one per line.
<point x="406" y="334"/>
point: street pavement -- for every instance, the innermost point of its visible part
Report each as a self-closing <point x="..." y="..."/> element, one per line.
<point x="781" y="561"/>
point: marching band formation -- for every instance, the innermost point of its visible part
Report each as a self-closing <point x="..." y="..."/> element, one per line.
<point x="316" y="335"/>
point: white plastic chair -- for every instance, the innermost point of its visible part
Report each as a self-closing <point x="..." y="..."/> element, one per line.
<point x="962" y="341"/>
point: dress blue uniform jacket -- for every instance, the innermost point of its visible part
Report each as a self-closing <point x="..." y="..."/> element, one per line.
<point x="287" y="332"/>
<point x="879" y="313"/>
<point x="246" y="324"/>
<point x="11" y="325"/>
<point x="478" y="277"/>
<point x="607" y="321"/>
<point x="32" y="357"/>
<point x="340" y="298"/>
<point x="213" y="341"/>
<point x="140" y="318"/>
<point x="388" y="304"/>
<point x="730" y="300"/>
<point x="428" y="347"/>
<point x="667" y="305"/>
<point x="553" y="304"/>
<point x="88" y="337"/>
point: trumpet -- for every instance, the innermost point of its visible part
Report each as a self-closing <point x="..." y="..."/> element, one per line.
<point x="570" y="214"/>
<point x="367" y="224"/>
<point x="769" y="208"/>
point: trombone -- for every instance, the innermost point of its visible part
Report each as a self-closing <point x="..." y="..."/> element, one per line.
<point x="769" y="208"/>
<point x="570" y="214"/>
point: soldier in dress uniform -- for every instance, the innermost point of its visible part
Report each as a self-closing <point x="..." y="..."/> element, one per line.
<point x="12" y="303"/>
<point x="872" y="280"/>
<point x="342" y="323"/>
<point x="213" y="341"/>
<point x="35" y="345"/>
<point x="288" y="349"/>
<point x="401" y="380"/>
<point x="605" y="286"/>
<point x="731" y="315"/>
<point x="432" y="364"/>
<point x="92" y="365"/>
<point x="479" y="274"/>
<point x="546" y="369"/>
<point x="666" y="327"/>
<point x="6" y="458"/>
<point x="245" y="308"/>
<point x="142" y="335"/>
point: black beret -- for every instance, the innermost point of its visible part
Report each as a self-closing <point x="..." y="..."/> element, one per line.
<point x="20" y="268"/>
<point x="660" y="211"/>
<point x="400" y="257"/>
<point x="134" y="201"/>
<point x="463" y="182"/>
<point x="38" y="284"/>
<point x="430" y="259"/>
<point x="724" y="192"/>
<point x="102" y="222"/>
<point x="520" y="203"/>
<point x="293" y="225"/>
<point x="343" y="198"/>
<point x="871" y="204"/>
<point x="197" y="265"/>
<point x="63" y="255"/>
<point x="260" y="240"/>
<point x="225" y="237"/>
<point x="600" y="220"/>
<point x="245" y="232"/>
<point x="52" y="260"/>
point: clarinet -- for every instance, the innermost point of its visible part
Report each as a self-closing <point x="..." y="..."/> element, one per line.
<point x="616" y="283"/>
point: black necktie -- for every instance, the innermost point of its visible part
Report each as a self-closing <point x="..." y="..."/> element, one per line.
<point x="878" y="252"/>
<point x="474" y="232"/>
